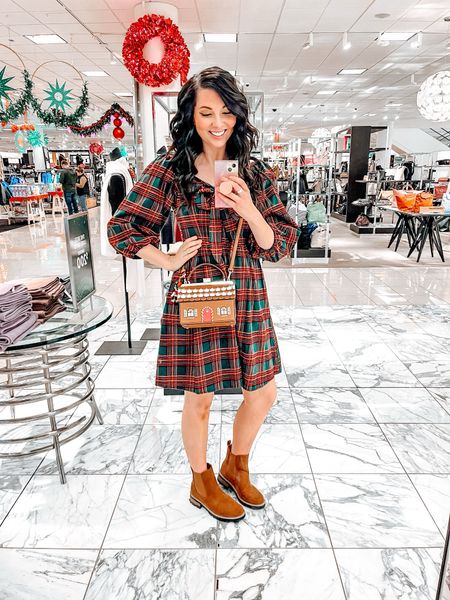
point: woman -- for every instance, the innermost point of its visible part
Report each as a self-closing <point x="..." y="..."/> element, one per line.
<point x="212" y="124"/>
<point x="82" y="186"/>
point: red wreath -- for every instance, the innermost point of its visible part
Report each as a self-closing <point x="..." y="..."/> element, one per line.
<point x="176" y="56"/>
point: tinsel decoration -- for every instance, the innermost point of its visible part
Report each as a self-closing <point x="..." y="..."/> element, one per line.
<point x="37" y="138"/>
<point x="115" y="111"/>
<point x="4" y="87"/>
<point x="176" y="56"/>
<point x="20" y="141"/>
<point x="96" y="148"/>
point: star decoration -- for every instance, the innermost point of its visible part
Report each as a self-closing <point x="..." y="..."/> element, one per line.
<point x="4" y="87"/>
<point x="58" y="96"/>
<point x="37" y="137"/>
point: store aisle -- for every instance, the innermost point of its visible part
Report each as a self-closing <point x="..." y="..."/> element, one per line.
<point x="354" y="459"/>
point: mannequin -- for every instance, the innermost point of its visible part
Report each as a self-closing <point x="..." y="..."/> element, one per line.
<point x="116" y="185"/>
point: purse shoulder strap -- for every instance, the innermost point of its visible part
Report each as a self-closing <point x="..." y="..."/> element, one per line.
<point x="235" y="246"/>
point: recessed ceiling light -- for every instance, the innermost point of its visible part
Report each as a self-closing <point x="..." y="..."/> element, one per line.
<point x="46" y="39"/>
<point x="382" y="15"/>
<point x="95" y="73"/>
<point x="352" y="71"/>
<point x="346" y="43"/>
<point x="220" y="38"/>
<point x="123" y="94"/>
<point x="393" y="104"/>
<point x="326" y="92"/>
<point x="396" y="36"/>
<point x="371" y="114"/>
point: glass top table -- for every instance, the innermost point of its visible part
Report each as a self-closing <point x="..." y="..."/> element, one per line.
<point x="93" y="313"/>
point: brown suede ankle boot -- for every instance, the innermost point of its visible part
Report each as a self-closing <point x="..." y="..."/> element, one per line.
<point x="234" y="474"/>
<point x="206" y="492"/>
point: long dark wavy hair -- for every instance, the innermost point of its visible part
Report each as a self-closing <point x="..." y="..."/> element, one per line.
<point x="187" y="144"/>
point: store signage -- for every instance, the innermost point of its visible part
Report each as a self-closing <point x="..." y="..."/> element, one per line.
<point x="79" y="255"/>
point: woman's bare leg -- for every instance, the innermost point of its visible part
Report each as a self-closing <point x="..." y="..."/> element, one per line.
<point x="194" y="428"/>
<point x="251" y="415"/>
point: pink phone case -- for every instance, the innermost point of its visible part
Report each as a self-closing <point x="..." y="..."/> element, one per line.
<point x="221" y="168"/>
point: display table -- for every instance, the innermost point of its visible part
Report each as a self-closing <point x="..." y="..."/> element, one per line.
<point x="45" y="377"/>
<point x="29" y="208"/>
<point x="419" y="227"/>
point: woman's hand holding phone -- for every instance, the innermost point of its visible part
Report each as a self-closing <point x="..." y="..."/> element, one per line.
<point x="187" y="250"/>
<point x="239" y="199"/>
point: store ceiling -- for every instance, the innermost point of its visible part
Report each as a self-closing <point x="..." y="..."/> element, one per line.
<point x="269" y="55"/>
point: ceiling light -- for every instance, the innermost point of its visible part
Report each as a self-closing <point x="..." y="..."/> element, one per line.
<point x="220" y="38"/>
<point x="371" y="89"/>
<point x="390" y="104"/>
<point x="46" y="39"/>
<point x="385" y="118"/>
<point x="290" y="105"/>
<point x="371" y="114"/>
<point x="310" y="42"/>
<point x="395" y="36"/>
<point x="352" y="71"/>
<point x="418" y="40"/>
<point x="112" y="59"/>
<point x="326" y="92"/>
<point x="346" y="44"/>
<point x="397" y="117"/>
<point x="382" y="15"/>
<point x="432" y="99"/>
<point x="280" y="119"/>
<point x="95" y="73"/>
<point x="198" y="45"/>
<point x="298" y="116"/>
<point x="123" y="94"/>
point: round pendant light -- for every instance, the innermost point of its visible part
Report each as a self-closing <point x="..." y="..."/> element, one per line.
<point x="433" y="98"/>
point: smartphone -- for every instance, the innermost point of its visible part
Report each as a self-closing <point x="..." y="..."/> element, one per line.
<point x="221" y="168"/>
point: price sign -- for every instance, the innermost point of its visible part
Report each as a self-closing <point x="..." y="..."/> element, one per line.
<point x="79" y="255"/>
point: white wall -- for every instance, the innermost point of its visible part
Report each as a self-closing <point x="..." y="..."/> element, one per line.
<point x="415" y="141"/>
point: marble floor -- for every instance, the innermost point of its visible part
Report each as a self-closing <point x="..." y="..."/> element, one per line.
<point x="354" y="458"/>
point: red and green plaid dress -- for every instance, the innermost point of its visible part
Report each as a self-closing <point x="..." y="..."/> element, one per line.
<point x="209" y="359"/>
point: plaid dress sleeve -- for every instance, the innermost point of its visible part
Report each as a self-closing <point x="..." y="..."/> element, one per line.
<point x="141" y="215"/>
<point x="285" y="229"/>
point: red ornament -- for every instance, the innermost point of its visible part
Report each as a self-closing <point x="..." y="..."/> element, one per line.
<point x="3" y="123"/>
<point x="14" y="128"/>
<point x="117" y="122"/>
<point x="176" y="56"/>
<point x="118" y="133"/>
<point x="96" y="148"/>
<point x="116" y="114"/>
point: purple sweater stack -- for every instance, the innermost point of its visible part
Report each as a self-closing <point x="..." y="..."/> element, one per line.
<point x="16" y="313"/>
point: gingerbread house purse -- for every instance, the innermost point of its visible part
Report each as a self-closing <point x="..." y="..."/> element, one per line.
<point x="209" y="303"/>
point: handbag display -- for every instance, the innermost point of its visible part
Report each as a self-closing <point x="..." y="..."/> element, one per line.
<point x="405" y="199"/>
<point x="316" y="212"/>
<point x="319" y="237"/>
<point x="423" y="199"/>
<point x="210" y="303"/>
<point x="362" y="221"/>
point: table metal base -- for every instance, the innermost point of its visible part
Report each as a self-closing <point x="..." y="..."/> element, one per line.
<point x="50" y="382"/>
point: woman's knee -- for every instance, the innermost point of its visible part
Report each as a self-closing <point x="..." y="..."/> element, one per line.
<point x="264" y="396"/>
<point x="199" y="403"/>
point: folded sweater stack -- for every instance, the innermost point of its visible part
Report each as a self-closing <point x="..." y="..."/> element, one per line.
<point x="16" y="313"/>
<point x="46" y="294"/>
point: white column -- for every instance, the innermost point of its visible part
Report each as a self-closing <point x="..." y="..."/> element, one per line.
<point x="153" y="52"/>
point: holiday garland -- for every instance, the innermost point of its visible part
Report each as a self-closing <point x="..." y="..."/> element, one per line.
<point x="176" y="55"/>
<point x="49" y="117"/>
<point x="115" y="111"/>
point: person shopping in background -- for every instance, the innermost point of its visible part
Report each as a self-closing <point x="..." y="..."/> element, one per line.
<point x="82" y="186"/>
<point x="68" y="179"/>
<point x="212" y="123"/>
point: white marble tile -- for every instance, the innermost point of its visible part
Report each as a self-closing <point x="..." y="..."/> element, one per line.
<point x="11" y="486"/>
<point x="25" y="465"/>
<point x="134" y="374"/>
<point x="331" y="405"/>
<point x="51" y="515"/>
<point x="148" y="355"/>
<point x="418" y="344"/>
<point x="276" y="449"/>
<point x="154" y="511"/>
<point x="153" y="575"/>
<point x="160" y="450"/>
<point x="389" y="574"/>
<point x="102" y="449"/>
<point x="283" y="411"/>
<point x="120" y="406"/>
<point x="435" y="493"/>
<point x="274" y="574"/>
<point x="421" y="448"/>
<point x="404" y="405"/>
<point x="442" y="395"/>
<point x="45" y="574"/>
<point x="349" y="448"/>
<point x="373" y="511"/>
<point x="292" y="517"/>
<point x="168" y="410"/>
<point x="313" y="366"/>
<point x="431" y="373"/>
